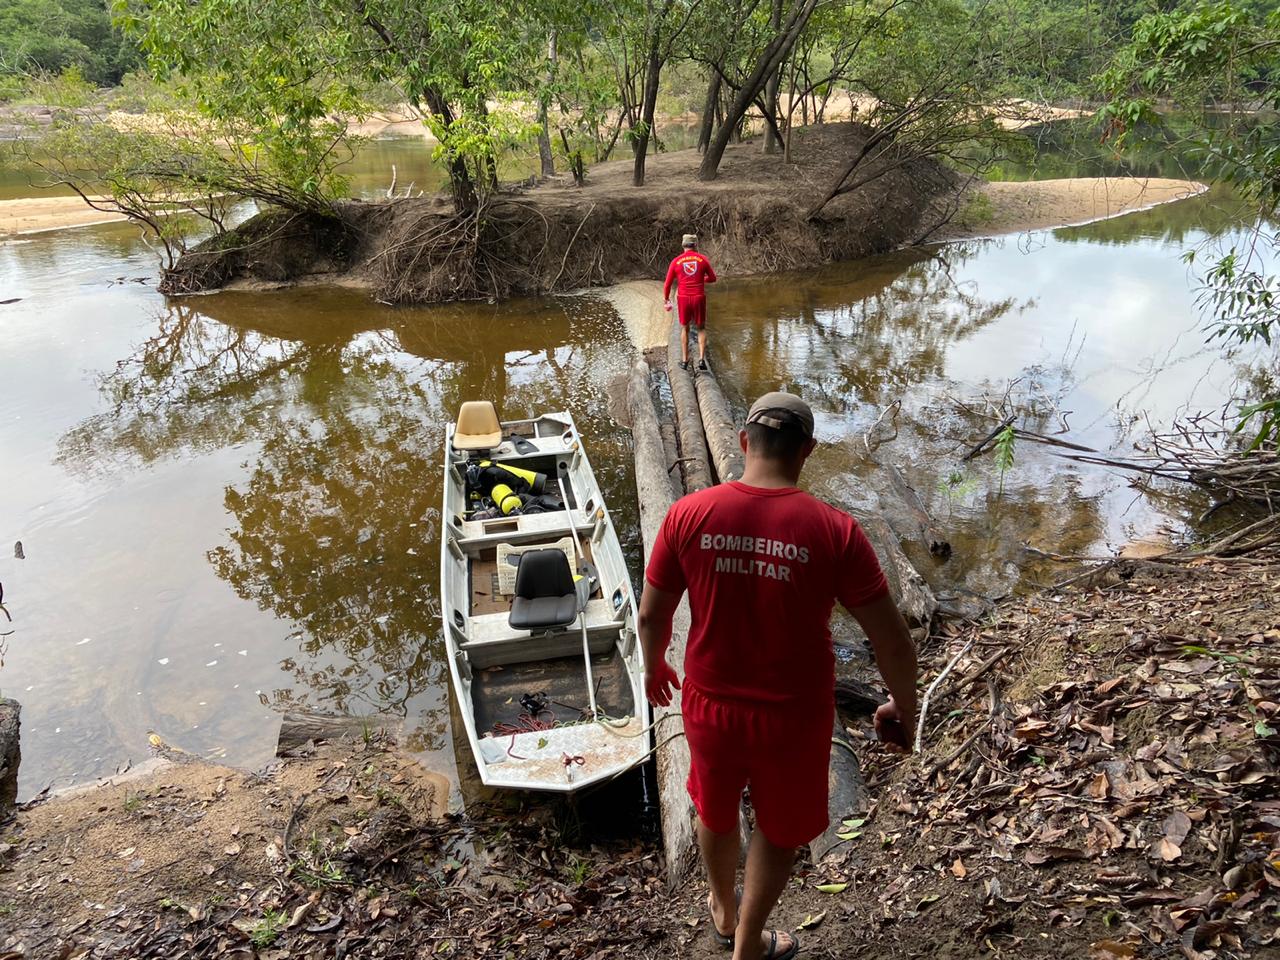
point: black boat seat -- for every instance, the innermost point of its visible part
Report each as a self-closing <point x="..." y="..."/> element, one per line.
<point x="545" y="593"/>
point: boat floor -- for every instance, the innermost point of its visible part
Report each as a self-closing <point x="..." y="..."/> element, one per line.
<point x="482" y="571"/>
<point x="496" y="691"/>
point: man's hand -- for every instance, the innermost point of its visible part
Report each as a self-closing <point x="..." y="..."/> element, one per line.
<point x="659" y="681"/>
<point x="892" y="728"/>
<point x="666" y="305"/>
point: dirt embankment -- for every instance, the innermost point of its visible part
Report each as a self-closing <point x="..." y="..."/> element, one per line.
<point x="1099" y="780"/>
<point x="559" y="237"/>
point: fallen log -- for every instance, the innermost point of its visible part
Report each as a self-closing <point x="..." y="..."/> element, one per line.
<point x="656" y="495"/>
<point x="846" y="794"/>
<point x="722" y="432"/>
<point x="299" y="730"/>
<point x="10" y="754"/>
<point x="910" y="591"/>
<point x="695" y="464"/>
<point x="857" y="698"/>
<point x="934" y="540"/>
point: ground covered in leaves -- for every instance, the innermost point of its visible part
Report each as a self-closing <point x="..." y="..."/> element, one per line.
<point x="1098" y="780"/>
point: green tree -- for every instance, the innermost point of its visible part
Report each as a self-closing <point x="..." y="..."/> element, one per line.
<point x="50" y="36"/>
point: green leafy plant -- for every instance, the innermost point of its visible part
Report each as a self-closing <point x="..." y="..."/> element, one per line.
<point x="267" y="931"/>
<point x="1006" y="440"/>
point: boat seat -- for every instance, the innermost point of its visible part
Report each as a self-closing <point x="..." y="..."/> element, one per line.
<point x="478" y="426"/>
<point x="545" y="593"/>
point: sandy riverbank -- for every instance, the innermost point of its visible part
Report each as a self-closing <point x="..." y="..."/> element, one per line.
<point x="38" y="214"/>
<point x="1025" y="206"/>
<point x="1013" y="207"/>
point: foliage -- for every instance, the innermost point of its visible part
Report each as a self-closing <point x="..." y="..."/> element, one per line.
<point x="50" y="36"/>
<point x="1006" y="441"/>
<point x="1217" y="54"/>
<point x="172" y="169"/>
<point x="266" y="931"/>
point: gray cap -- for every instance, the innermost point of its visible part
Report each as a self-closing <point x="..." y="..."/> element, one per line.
<point x="780" y="410"/>
<point x="689" y="239"/>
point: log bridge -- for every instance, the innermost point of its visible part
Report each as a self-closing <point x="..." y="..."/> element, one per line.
<point x="693" y="448"/>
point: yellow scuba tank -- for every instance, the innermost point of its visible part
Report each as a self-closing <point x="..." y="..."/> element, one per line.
<point x="514" y="477"/>
<point x="506" y="499"/>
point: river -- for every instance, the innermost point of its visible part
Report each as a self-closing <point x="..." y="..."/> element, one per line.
<point x="228" y="505"/>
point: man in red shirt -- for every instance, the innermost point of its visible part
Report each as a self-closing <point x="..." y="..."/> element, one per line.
<point x="692" y="270"/>
<point x="764" y="563"/>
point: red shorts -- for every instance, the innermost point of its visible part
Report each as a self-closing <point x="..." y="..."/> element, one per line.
<point x="783" y="754"/>
<point x="693" y="310"/>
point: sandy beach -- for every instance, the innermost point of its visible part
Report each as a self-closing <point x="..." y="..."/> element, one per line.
<point x="1023" y="206"/>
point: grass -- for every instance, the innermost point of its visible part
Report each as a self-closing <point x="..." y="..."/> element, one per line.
<point x="267" y="930"/>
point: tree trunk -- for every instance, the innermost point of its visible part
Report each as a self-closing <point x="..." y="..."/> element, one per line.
<point x="770" y="60"/>
<point x="846" y="794"/>
<point x="694" y="461"/>
<point x="652" y="71"/>
<point x="709" y="109"/>
<point x="722" y="432"/>
<point x="771" y="88"/>
<point x="653" y="488"/>
<point x="545" y="156"/>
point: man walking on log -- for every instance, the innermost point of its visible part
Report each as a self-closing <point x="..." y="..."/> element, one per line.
<point x="692" y="271"/>
<point x="764" y="563"/>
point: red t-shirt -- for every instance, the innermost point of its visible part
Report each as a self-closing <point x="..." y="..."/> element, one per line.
<point x="692" y="270"/>
<point x="763" y="569"/>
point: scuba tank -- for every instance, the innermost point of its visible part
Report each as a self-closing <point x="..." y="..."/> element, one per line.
<point x="505" y="499"/>
<point x="491" y="474"/>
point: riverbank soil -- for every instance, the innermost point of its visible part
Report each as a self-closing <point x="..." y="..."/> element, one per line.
<point x="557" y="236"/>
<point x="1099" y="780"/>
<point x="37" y="214"/>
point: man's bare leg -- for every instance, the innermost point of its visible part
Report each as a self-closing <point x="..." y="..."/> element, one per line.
<point x="702" y="344"/>
<point x="684" y="344"/>
<point x="768" y="870"/>
<point x="720" y="854"/>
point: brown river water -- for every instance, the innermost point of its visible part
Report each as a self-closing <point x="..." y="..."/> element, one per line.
<point x="229" y="505"/>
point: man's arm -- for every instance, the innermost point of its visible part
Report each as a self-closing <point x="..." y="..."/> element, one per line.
<point x="657" y="607"/>
<point x="711" y="274"/>
<point x="895" y="652"/>
<point x="671" y="275"/>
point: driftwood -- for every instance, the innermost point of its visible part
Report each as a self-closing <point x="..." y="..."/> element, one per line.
<point x="10" y="754"/>
<point x="934" y="540"/>
<point x="846" y="794"/>
<point x="695" y="464"/>
<point x="670" y="446"/>
<point x="857" y="698"/>
<point x="722" y="433"/>
<point x="982" y="445"/>
<point x="656" y="495"/>
<point x="298" y="731"/>
<point x="910" y="591"/>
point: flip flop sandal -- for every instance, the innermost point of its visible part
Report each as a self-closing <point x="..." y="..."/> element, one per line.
<point x="721" y="939"/>
<point x="786" y="954"/>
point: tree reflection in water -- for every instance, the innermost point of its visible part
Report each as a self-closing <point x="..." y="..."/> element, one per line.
<point x="340" y="406"/>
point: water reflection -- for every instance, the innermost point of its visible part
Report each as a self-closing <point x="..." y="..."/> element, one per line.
<point x="338" y="408"/>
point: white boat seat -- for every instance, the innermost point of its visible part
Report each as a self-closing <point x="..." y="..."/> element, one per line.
<point x="545" y="593"/>
<point x="478" y="427"/>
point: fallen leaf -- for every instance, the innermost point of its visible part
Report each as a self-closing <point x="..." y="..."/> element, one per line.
<point x="351" y="831"/>
<point x="231" y="849"/>
<point x="832" y="887"/>
<point x="958" y="869"/>
<point x="811" y="921"/>
<point x="1176" y="827"/>
<point x="1166" y="849"/>
<point x="1100" y="788"/>
<point x="1110" y="950"/>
